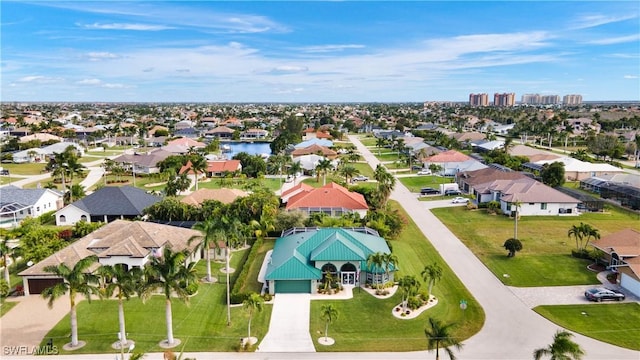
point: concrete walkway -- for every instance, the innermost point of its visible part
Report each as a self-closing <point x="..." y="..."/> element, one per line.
<point x="289" y="325"/>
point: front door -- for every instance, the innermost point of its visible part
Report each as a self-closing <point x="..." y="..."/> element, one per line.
<point x="348" y="278"/>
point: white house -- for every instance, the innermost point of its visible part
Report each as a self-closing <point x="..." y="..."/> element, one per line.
<point x="16" y="204"/>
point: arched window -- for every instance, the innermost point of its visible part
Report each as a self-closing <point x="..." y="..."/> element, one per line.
<point x="83" y="218"/>
<point x="348" y="267"/>
<point x="62" y="219"/>
<point x="328" y="268"/>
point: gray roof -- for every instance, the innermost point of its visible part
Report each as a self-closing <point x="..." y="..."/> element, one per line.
<point x="22" y="196"/>
<point x="110" y="200"/>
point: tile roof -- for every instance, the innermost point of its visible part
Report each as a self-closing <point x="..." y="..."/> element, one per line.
<point x="314" y="149"/>
<point x="331" y="195"/>
<point x="625" y="243"/>
<point x="525" y="190"/>
<point x="448" y="156"/>
<point x="224" y="195"/>
<point x="118" y="238"/>
<point x="486" y="175"/>
<point x="216" y="166"/>
<point x="111" y="200"/>
<point x="186" y="142"/>
<point x="150" y="159"/>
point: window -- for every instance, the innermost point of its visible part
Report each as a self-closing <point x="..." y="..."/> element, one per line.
<point x="543" y="206"/>
<point x="62" y="219"/>
<point x="83" y="218"/>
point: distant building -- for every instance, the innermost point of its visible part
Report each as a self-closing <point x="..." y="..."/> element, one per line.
<point x="504" y="99"/>
<point x="537" y="99"/>
<point x="550" y="99"/>
<point x="572" y="99"/>
<point x="530" y="99"/>
<point x="479" y="99"/>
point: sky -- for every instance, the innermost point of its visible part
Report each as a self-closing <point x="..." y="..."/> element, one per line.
<point x="312" y="51"/>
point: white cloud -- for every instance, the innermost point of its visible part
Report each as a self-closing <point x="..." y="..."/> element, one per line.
<point x="89" y="82"/>
<point x="289" y="69"/>
<point x="616" y="40"/>
<point x="97" y="56"/>
<point x="31" y="78"/>
<point x="631" y="76"/>
<point x="124" y="26"/>
<point x="116" y="86"/>
<point x="590" y="21"/>
<point x="329" y="48"/>
<point x="38" y="79"/>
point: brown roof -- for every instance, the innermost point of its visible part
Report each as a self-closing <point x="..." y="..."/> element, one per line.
<point x="489" y="174"/>
<point x="468" y="136"/>
<point x="221" y="129"/>
<point x="625" y="243"/>
<point x="314" y="149"/>
<point x="525" y="190"/>
<point x="117" y="238"/>
<point x="331" y="195"/>
<point x="448" y="156"/>
<point x="224" y="195"/>
<point x="186" y="142"/>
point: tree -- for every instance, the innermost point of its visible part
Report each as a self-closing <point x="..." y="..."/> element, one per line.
<point x="6" y="252"/>
<point x="76" y="280"/>
<point x="253" y="303"/>
<point x="431" y="274"/>
<point x="177" y="184"/>
<point x="375" y="262"/>
<point x="439" y="335"/>
<point x="126" y="283"/>
<point x="409" y="285"/>
<point x="295" y="168"/>
<point x="198" y="165"/>
<point x="386" y="184"/>
<point x="348" y="171"/>
<point x="380" y="143"/>
<point x="76" y="191"/>
<point x="328" y="313"/>
<point x="210" y="233"/>
<point x="562" y="348"/>
<point x="582" y="234"/>
<point x="323" y="168"/>
<point x="512" y="245"/>
<point x="553" y="174"/>
<point x="389" y="260"/>
<point x="169" y="273"/>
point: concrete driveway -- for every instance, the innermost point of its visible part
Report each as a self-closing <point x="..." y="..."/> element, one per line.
<point x="289" y="325"/>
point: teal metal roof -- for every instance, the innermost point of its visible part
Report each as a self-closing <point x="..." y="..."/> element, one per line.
<point x="294" y="256"/>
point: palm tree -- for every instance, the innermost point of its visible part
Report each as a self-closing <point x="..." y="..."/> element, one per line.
<point x="408" y="285"/>
<point x="348" y="171"/>
<point x="126" y="283"/>
<point x="380" y="143"/>
<point x="590" y="232"/>
<point x="76" y="280"/>
<point x="431" y="274"/>
<point x="375" y="261"/>
<point x="6" y="252"/>
<point x="328" y="313"/>
<point x="199" y="166"/>
<point x="576" y="233"/>
<point x="170" y="274"/>
<point x="439" y="335"/>
<point x="562" y="348"/>
<point x="210" y="234"/>
<point x="389" y="260"/>
<point x="323" y="167"/>
<point x="294" y="169"/>
<point x="253" y="303"/>
<point x="386" y="183"/>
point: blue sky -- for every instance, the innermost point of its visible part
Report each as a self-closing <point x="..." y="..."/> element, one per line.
<point x="207" y="51"/>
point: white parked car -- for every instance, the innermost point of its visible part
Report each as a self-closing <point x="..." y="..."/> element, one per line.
<point x="360" y="178"/>
<point x="424" y="172"/>
<point x="460" y="200"/>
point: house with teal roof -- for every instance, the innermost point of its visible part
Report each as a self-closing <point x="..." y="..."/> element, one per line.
<point x="302" y="258"/>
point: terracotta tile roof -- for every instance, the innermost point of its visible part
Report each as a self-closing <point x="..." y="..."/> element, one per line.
<point x="625" y="243"/>
<point x="314" y="149"/>
<point x="221" y="129"/>
<point x="525" y="190"/>
<point x="331" y="195"/>
<point x="483" y="176"/>
<point x="301" y="187"/>
<point x="217" y="166"/>
<point x="186" y="142"/>
<point x="224" y="195"/>
<point x="448" y="156"/>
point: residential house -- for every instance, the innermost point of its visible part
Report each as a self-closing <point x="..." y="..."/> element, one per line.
<point x="42" y="153"/>
<point x="143" y="163"/>
<point x="107" y="204"/>
<point x="452" y="162"/>
<point x="622" y="255"/>
<point x="220" y="132"/>
<point x="309" y="162"/>
<point x="315" y="149"/>
<point x="223" y="195"/>
<point x="254" y="134"/>
<point x="311" y="133"/>
<point x="576" y="170"/>
<point x="183" y="145"/>
<point x="331" y="199"/>
<point x="40" y="137"/>
<point x="190" y="132"/>
<point x="16" y="204"/>
<point x="217" y="168"/>
<point x="314" y="141"/>
<point x="304" y="257"/>
<point x="131" y="243"/>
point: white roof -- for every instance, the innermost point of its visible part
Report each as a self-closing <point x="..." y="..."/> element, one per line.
<point x="575" y="165"/>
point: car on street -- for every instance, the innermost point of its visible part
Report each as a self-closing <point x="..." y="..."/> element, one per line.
<point x="424" y="172"/>
<point x="450" y="192"/>
<point x="599" y="294"/>
<point x="360" y="178"/>
<point x="460" y="200"/>
<point x="429" y="191"/>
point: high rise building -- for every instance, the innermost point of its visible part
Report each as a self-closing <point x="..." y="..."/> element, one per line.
<point x="550" y="99"/>
<point x="479" y="99"/>
<point x="530" y="99"/>
<point x="572" y="99"/>
<point x="504" y="99"/>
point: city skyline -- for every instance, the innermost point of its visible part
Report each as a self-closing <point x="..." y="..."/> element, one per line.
<point x="317" y="51"/>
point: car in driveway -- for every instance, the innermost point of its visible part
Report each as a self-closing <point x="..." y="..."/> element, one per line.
<point x="429" y="191"/>
<point x="450" y="192"/>
<point x="360" y="178"/>
<point x="424" y="172"/>
<point x="600" y="294"/>
<point x="460" y="200"/>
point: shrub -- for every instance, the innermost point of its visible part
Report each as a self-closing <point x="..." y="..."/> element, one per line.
<point x="414" y="302"/>
<point x="581" y="254"/>
<point x="267" y="297"/>
<point x="65" y="234"/>
<point x="237" y="295"/>
<point x="192" y="288"/>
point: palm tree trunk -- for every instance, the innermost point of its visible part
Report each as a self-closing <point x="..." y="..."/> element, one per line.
<point x="7" y="278"/>
<point x="326" y="330"/>
<point x="249" y="328"/>
<point x="430" y="287"/>
<point x="169" y="321"/>
<point x="437" y="350"/>
<point x="123" y="333"/>
<point x="208" y="256"/>
<point x="74" y="320"/>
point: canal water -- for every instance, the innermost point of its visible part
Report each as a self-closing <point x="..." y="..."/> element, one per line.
<point x="250" y="148"/>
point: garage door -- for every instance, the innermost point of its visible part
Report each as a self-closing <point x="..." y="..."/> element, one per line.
<point x="293" y="286"/>
<point x="630" y="284"/>
<point x="36" y="286"/>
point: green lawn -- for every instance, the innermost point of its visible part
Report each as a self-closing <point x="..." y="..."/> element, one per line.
<point x="415" y="183"/>
<point x="366" y="323"/>
<point x="25" y="169"/>
<point x="617" y="324"/>
<point x="385" y="155"/>
<point x="369" y="141"/>
<point x="545" y="259"/>
<point x="6" y="306"/>
<point x="202" y="324"/>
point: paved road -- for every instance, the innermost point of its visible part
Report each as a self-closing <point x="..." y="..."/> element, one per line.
<point x="511" y="330"/>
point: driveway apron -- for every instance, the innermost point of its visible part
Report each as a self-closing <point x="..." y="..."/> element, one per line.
<point x="289" y="325"/>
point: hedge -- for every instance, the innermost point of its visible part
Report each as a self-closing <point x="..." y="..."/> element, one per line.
<point x="237" y="296"/>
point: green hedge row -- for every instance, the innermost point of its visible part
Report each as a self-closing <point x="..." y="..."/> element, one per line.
<point x="237" y="296"/>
